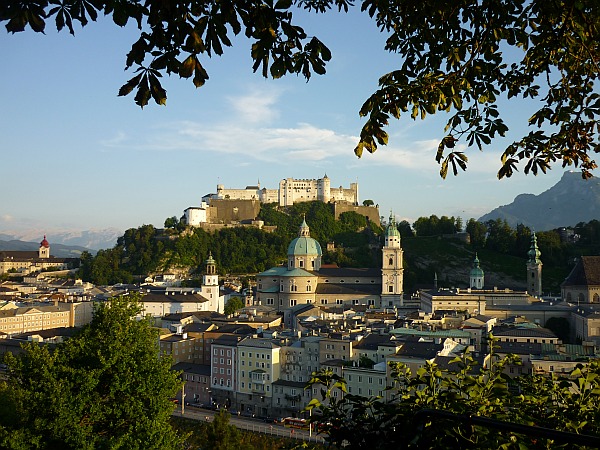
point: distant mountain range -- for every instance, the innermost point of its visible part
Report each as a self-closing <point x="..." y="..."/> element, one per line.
<point x="72" y="240"/>
<point x="568" y="202"/>
<point x="58" y="250"/>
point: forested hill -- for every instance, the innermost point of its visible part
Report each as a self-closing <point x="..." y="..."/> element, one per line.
<point x="246" y="250"/>
<point x="237" y="250"/>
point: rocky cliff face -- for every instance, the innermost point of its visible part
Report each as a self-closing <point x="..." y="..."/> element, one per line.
<point x="568" y="202"/>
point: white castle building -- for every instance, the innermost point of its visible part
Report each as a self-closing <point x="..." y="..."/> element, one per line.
<point x="290" y="191"/>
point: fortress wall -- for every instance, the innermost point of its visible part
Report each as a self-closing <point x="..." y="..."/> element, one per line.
<point x="371" y="212"/>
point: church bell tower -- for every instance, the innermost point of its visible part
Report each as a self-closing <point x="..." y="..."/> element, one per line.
<point x="392" y="270"/>
<point x="534" y="269"/>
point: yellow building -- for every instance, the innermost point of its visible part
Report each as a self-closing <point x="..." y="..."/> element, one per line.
<point x="258" y="368"/>
<point x="30" y="261"/>
<point x="24" y="319"/>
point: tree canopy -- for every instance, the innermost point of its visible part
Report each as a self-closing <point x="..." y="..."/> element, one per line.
<point x="463" y="57"/>
<point x="458" y="393"/>
<point x="104" y="388"/>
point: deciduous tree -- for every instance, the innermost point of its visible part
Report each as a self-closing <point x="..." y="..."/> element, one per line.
<point x="463" y="390"/>
<point x="104" y="388"/>
<point x="464" y="57"/>
<point x="233" y="304"/>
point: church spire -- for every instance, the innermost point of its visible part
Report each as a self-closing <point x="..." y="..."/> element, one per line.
<point x="534" y="268"/>
<point x="534" y="252"/>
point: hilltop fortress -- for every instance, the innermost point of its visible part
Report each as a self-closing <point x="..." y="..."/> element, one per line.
<point x="235" y="206"/>
<point x="290" y="191"/>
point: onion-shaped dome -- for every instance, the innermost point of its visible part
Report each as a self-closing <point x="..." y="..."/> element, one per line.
<point x="44" y="243"/>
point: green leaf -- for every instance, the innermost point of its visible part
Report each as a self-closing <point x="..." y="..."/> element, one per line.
<point x="130" y="85"/>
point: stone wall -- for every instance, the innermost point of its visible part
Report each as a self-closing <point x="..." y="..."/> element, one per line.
<point x="232" y="211"/>
<point x="371" y="212"/>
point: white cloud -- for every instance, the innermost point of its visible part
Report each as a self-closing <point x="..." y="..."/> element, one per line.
<point x="257" y="106"/>
<point x="238" y="135"/>
<point x="119" y="139"/>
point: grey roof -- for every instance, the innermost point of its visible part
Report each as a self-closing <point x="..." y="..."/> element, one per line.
<point x="176" y="317"/>
<point x="417" y="349"/>
<point x="297" y="273"/>
<point x="237" y="328"/>
<point x="441" y="334"/>
<point x="522" y="348"/>
<point x="227" y="340"/>
<point x="280" y="271"/>
<point x="197" y="369"/>
<point x="589" y="312"/>
<point x="257" y="343"/>
<point x="178" y="298"/>
<point x="50" y="333"/>
<point x="197" y="327"/>
<point x="538" y="332"/>
<point x="373" y="341"/>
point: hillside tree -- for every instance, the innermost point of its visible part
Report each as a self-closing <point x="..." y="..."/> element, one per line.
<point x="464" y="58"/>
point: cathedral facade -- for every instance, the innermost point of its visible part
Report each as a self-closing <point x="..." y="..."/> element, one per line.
<point x="305" y="280"/>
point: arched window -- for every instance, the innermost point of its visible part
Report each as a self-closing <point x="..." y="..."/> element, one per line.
<point x="391" y="261"/>
<point x="569" y="297"/>
<point x="596" y="298"/>
<point x="581" y="298"/>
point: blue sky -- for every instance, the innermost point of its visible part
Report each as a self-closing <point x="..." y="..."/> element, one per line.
<point x="76" y="156"/>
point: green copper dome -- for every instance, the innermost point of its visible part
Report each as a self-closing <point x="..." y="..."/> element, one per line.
<point x="392" y="229"/>
<point x="476" y="271"/>
<point x="304" y="244"/>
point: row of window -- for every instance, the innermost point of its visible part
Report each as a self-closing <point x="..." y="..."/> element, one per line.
<point x="221" y="361"/>
<point x="369" y="391"/>
<point x="220" y="382"/>
<point x="257" y="364"/>
<point x="217" y="351"/>
<point x="198" y="378"/>
<point x="258" y="355"/>
<point x="360" y="379"/>
<point x="260" y="286"/>
<point x="338" y="301"/>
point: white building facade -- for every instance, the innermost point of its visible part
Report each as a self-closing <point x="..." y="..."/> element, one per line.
<point x="290" y="191"/>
